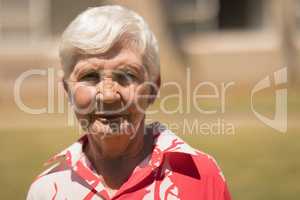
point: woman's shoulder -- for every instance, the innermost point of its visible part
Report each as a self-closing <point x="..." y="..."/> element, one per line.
<point x="45" y="185"/>
<point x="181" y="154"/>
<point x="207" y="164"/>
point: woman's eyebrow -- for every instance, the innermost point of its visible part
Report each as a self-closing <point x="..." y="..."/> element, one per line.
<point x="136" y="67"/>
<point x="84" y="67"/>
<point x="86" y="71"/>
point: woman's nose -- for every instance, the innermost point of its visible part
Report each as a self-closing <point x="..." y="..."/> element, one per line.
<point x="108" y="91"/>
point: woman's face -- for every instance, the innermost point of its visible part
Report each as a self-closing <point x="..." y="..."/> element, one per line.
<point x="109" y="95"/>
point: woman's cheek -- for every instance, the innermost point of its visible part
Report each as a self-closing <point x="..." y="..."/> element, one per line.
<point x="142" y="98"/>
<point x="127" y="95"/>
<point x="84" y="98"/>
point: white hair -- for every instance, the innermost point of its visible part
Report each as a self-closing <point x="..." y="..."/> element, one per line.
<point x="98" y="29"/>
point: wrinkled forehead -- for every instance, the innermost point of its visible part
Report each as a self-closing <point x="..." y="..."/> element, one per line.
<point x="118" y="55"/>
<point x="124" y="59"/>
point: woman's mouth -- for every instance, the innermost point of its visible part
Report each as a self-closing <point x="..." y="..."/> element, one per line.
<point x="109" y="118"/>
<point x="109" y="124"/>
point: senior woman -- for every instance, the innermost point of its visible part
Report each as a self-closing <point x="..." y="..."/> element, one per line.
<point x="111" y="75"/>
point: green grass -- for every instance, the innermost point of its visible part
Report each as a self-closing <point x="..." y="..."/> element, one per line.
<point x="258" y="163"/>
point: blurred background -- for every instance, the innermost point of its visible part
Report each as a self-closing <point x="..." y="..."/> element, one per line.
<point x="216" y="41"/>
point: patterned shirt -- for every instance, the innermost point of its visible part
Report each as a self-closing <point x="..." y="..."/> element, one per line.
<point x="173" y="170"/>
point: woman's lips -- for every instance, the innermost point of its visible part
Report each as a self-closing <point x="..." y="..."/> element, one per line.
<point x="110" y="118"/>
<point x="111" y="125"/>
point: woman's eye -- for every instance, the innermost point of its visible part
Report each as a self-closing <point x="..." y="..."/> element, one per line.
<point x="90" y="77"/>
<point x="124" y="77"/>
<point x="131" y="76"/>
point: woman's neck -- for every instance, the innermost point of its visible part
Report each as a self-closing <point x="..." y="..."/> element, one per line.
<point x="115" y="171"/>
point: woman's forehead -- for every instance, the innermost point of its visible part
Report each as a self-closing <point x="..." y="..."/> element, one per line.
<point x="124" y="57"/>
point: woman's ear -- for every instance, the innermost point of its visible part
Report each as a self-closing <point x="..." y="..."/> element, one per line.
<point x="158" y="81"/>
<point x="67" y="90"/>
<point x="154" y="89"/>
<point x="65" y="84"/>
<point x="61" y="76"/>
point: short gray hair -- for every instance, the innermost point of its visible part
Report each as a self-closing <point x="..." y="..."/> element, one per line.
<point x="98" y="29"/>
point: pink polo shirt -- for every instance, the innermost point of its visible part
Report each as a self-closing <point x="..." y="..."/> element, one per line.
<point x="174" y="170"/>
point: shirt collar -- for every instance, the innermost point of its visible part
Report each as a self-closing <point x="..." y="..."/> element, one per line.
<point x="165" y="141"/>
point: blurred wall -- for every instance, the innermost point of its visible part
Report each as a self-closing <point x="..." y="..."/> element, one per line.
<point x="202" y="35"/>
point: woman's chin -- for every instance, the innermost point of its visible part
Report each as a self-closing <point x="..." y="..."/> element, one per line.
<point x="114" y="146"/>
